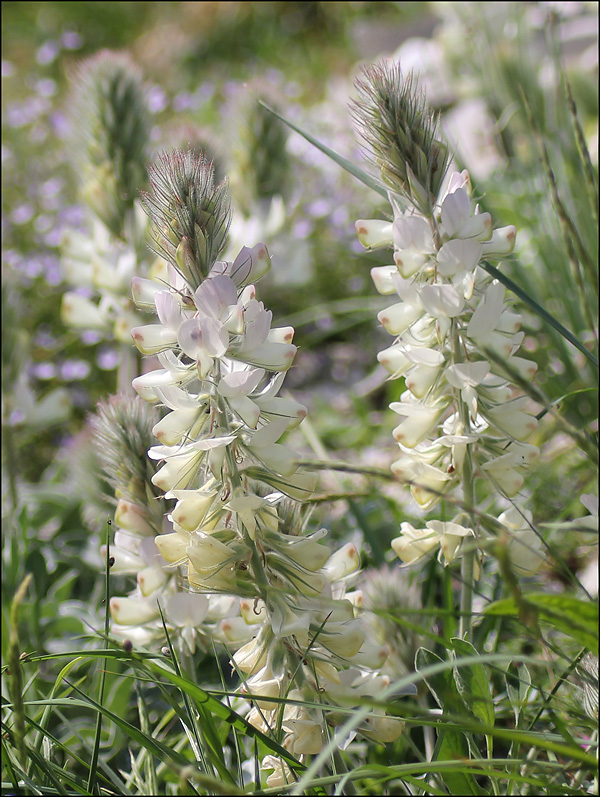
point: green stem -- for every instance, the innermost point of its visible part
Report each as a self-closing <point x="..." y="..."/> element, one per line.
<point x="467" y="571"/>
<point x="469" y="551"/>
<point x="10" y="457"/>
<point x="127" y="370"/>
<point x="16" y="681"/>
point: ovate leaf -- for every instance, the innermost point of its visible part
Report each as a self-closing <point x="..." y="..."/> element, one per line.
<point x="452" y="744"/>
<point x="473" y="684"/>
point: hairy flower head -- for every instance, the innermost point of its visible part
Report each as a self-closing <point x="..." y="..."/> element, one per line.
<point x="189" y="214"/>
<point x="402" y="134"/>
<point x="114" y="124"/>
<point x="122" y="434"/>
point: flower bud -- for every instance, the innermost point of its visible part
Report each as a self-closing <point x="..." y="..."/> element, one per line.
<point x="153" y="338"/>
<point x="132" y="518"/>
<point x="76" y="311"/>
<point x="501" y="243"/>
<point x="133" y="611"/>
<point x="374" y="234"/>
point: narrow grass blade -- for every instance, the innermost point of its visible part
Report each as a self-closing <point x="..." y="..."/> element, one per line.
<point x="162" y="751"/>
<point x="405" y="771"/>
<point x="582" y="149"/>
<point x="16" y="681"/>
<point x="190" y="725"/>
<point x="355" y="171"/>
<point x="538" y="309"/>
<point x="220" y="710"/>
<point x="96" y="748"/>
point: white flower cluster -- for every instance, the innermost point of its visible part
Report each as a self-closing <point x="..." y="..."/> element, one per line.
<point x="232" y="563"/>
<point x="110" y="143"/>
<point x="103" y="267"/>
<point x="456" y="346"/>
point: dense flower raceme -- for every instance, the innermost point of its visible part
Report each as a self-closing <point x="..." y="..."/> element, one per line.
<point x="455" y="344"/>
<point x="232" y="563"/>
<point x="112" y="135"/>
<point x="100" y="268"/>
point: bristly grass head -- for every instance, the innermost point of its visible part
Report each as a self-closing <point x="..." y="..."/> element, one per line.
<point x="262" y="162"/>
<point x="401" y="131"/>
<point x="189" y="214"/>
<point x="122" y="434"/>
<point x="113" y="125"/>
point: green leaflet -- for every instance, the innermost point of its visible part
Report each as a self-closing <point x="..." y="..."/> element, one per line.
<point x="473" y="684"/>
<point x="451" y="744"/>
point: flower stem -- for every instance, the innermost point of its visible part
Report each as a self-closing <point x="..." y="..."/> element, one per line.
<point x="11" y="460"/>
<point x="467" y="572"/>
<point x="468" y="558"/>
<point x="127" y="370"/>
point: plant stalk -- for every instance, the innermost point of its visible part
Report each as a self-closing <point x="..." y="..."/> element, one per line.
<point x="469" y="551"/>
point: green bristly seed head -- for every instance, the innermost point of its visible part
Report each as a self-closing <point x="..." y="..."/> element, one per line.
<point x="114" y="125"/>
<point x="122" y="434"/>
<point x="262" y="162"/>
<point x="189" y="214"/>
<point x="401" y="131"/>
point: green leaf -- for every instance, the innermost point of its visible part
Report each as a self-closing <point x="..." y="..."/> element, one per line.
<point x="451" y="744"/>
<point x="576" y="618"/>
<point x="355" y="171"/>
<point x="473" y="684"/>
<point x="518" y="684"/>
<point x="441" y="684"/>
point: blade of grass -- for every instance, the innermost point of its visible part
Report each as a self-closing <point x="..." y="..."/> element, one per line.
<point x="96" y="747"/>
<point x="413" y="678"/>
<point x="582" y="149"/>
<point x="236" y="740"/>
<point x="538" y="309"/>
<point x="347" y="165"/>
<point x="8" y="763"/>
<point x="144" y="663"/>
<point x="400" y="771"/>
<point x="147" y="761"/>
<point x="16" y="672"/>
<point x="160" y="750"/>
<point x="220" y="710"/>
<point x="51" y="770"/>
<point x="109" y="776"/>
<point x="47" y="711"/>
<point x="191" y="728"/>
